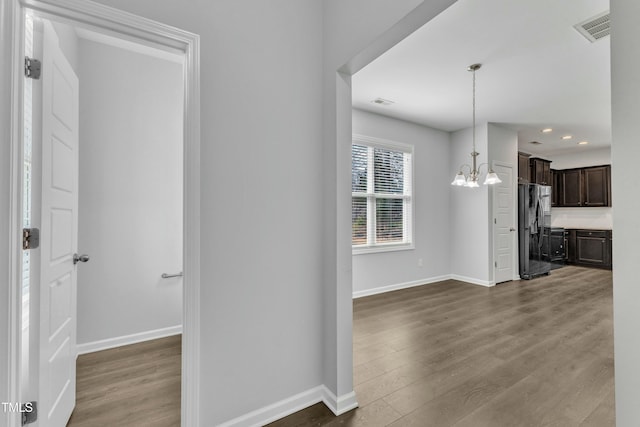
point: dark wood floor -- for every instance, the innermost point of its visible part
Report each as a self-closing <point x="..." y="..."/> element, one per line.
<point x="528" y="353"/>
<point x="134" y="385"/>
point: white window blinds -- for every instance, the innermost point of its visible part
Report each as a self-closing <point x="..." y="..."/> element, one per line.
<point x="381" y="190"/>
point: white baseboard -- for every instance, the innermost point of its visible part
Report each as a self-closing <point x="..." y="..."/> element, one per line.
<point x="90" y="347"/>
<point x="339" y="405"/>
<point x="472" y="280"/>
<point x="295" y="403"/>
<point x="405" y="285"/>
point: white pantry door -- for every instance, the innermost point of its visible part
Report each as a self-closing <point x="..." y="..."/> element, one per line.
<point x="504" y="227"/>
<point x="59" y="235"/>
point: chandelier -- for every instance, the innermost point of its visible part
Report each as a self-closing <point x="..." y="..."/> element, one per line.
<point x="472" y="177"/>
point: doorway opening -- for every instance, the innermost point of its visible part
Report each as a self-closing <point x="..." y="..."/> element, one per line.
<point x="136" y="126"/>
<point x="395" y="104"/>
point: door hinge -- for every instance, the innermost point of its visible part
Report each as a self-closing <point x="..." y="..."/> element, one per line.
<point x="30" y="238"/>
<point x="495" y="263"/>
<point x="29" y="412"/>
<point x="32" y="68"/>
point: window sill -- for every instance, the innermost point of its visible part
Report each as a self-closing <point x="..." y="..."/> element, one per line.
<point x="364" y="250"/>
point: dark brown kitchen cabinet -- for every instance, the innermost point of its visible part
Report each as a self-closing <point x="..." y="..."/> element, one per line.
<point x="555" y="187"/>
<point x="593" y="248"/>
<point x="570" y="246"/>
<point x="540" y="171"/>
<point x="583" y="187"/>
<point x="588" y="248"/>
<point x="523" y="167"/>
<point x="596" y="186"/>
<point x="571" y="194"/>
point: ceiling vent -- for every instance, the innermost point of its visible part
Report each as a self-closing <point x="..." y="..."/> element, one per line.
<point x="381" y="101"/>
<point x="535" y="142"/>
<point x="593" y="29"/>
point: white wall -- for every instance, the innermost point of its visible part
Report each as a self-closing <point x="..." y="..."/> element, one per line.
<point x="261" y="200"/>
<point x="625" y="152"/>
<point x="238" y="30"/>
<point x="275" y="295"/>
<point x="598" y="218"/>
<point x="469" y="210"/>
<point x="503" y="145"/>
<point x="130" y="208"/>
<point x="431" y="176"/>
<point x="355" y="33"/>
<point x="580" y="158"/>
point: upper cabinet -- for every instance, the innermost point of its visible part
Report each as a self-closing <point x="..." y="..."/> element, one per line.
<point x="555" y="183"/>
<point x="583" y="187"/>
<point x="597" y="186"/>
<point x="523" y="167"/>
<point x="540" y="172"/>
<point x="570" y="190"/>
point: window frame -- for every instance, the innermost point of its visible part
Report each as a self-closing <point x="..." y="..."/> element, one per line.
<point x="408" y="213"/>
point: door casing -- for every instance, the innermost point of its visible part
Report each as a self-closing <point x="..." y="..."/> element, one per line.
<point x="514" y="222"/>
<point x="131" y="27"/>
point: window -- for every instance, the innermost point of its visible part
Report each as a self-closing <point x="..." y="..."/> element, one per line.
<point x="381" y="190"/>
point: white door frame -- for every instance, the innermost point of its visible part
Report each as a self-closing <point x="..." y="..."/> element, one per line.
<point x="514" y="218"/>
<point x="133" y="27"/>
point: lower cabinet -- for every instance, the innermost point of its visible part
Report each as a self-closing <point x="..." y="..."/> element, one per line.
<point x="588" y="248"/>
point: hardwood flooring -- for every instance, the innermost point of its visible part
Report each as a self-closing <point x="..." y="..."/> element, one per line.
<point x="528" y="353"/>
<point x="133" y="385"/>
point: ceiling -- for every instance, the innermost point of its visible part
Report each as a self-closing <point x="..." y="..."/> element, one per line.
<point x="537" y="72"/>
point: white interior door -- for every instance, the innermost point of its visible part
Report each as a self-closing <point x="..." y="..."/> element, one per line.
<point x="504" y="226"/>
<point x="59" y="225"/>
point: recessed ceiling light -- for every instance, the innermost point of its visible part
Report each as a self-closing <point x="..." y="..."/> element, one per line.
<point x="381" y="101"/>
<point x="546" y="130"/>
<point x="567" y="137"/>
<point x="583" y="142"/>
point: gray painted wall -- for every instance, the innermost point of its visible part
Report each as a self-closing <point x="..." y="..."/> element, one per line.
<point x="431" y="174"/>
<point x="625" y="152"/>
<point x="366" y="29"/>
<point x="261" y="200"/>
<point x="130" y="209"/>
<point x="237" y="36"/>
<point x="469" y="211"/>
<point x="581" y="158"/>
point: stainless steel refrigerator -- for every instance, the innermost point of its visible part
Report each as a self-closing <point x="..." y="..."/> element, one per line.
<point x="534" y="221"/>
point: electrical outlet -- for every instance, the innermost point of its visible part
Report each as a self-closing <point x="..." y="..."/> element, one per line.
<point x="420" y="264"/>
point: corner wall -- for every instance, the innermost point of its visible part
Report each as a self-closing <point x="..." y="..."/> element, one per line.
<point x="469" y="211"/>
<point x="625" y="152"/>
<point x="355" y="33"/>
<point x="261" y="198"/>
<point x="429" y="261"/>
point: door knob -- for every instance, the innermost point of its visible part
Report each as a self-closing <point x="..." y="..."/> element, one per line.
<point x="80" y="258"/>
<point x="512" y="229"/>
